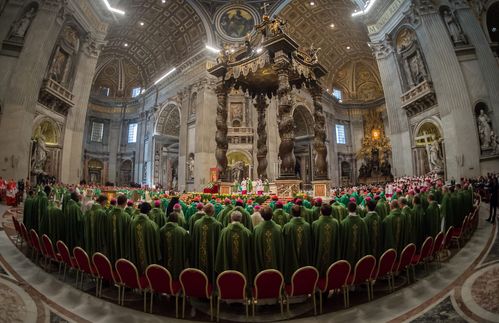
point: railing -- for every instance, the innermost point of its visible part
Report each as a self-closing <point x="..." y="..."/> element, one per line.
<point x="55" y="96"/>
<point x="58" y="90"/>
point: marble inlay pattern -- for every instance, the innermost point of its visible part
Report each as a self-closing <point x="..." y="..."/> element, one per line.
<point x="12" y="306"/>
<point x="485" y="290"/>
<point x="443" y="312"/>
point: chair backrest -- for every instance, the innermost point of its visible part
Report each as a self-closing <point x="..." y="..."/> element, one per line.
<point x="159" y="278"/>
<point x="24" y="233"/>
<point x="268" y="284"/>
<point x="364" y="269"/>
<point x="64" y="252"/>
<point x="231" y="284"/>
<point x="385" y="263"/>
<point x="439" y="243"/>
<point x="194" y="283"/>
<point x="128" y="273"/>
<point x="82" y="259"/>
<point x="16" y="225"/>
<point x="35" y="240"/>
<point x="448" y="237"/>
<point x="337" y="274"/>
<point x="426" y="248"/>
<point x="304" y="281"/>
<point x="103" y="266"/>
<point x="406" y="256"/>
<point x="48" y="246"/>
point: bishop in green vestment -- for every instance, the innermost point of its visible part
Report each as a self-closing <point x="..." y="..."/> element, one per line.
<point x="157" y="214"/>
<point x="279" y="216"/>
<point x="117" y="225"/>
<point x="354" y="236"/>
<point x="196" y="216"/>
<point x="93" y="227"/>
<point x="74" y="222"/>
<point x="447" y="209"/>
<point x="144" y="240"/>
<point x="339" y="211"/>
<point x="432" y="219"/>
<point x="28" y="210"/>
<point x="175" y="246"/>
<point x="246" y="220"/>
<point x="380" y="207"/>
<point x="234" y="248"/>
<point x="417" y="221"/>
<point x="56" y="222"/>
<point x="180" y="216"/>
<point x="326" y="240"/>
<point x="297" y="243"/>
<point x="225" y="211"/>
<point x="393" y="229"/>
<point x="373" y="223"/>
<point x="41" y="208"/>
<point x="205" y="235"/>
<point x="408" y="236"/>
<point x="267" y="243"/>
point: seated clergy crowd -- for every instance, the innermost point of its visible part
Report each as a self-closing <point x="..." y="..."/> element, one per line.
<point x="239" y="235"/>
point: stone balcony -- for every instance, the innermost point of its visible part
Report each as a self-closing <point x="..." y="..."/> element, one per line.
<point x="55" y="96"/>
<point x="419" y="98"/>
<point x="240" y="135"/>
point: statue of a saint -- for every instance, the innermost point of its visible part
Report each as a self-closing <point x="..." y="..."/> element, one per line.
<point x="20" y="27"/>
<point x="454" y="28"/>
<point x="494" y="142"/>
<point x="39" y="155"/>
<point x="484" y="129"/>
<point x="435" y="157"/>
<point x="417" y="72"/>
<point x="190" y="165"/>
<point x="237" y="171"/>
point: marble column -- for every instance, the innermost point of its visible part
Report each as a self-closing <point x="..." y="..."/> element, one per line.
<point x="20" y="94"/>
<point x="320" y="163"/>
<point x="261" y="106"/>
<point x="285" y="122"/>
<point x="75" y="121"/>
<point x="221" y="134"/>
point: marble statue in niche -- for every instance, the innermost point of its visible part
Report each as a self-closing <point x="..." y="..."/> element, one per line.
<point x="494" y="142"/>
<point x="435" y="156"/>
<point x="64" y="56"/>
<point x="484" y="129"/>
<point x="411" y="60"/>
<point x="456" y="33"/>
<point x="38" y="155"/>
<point x="190" y="167"/>
<point x="20" y="26"/>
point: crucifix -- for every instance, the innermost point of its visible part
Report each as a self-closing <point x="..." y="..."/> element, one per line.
<point x="264" y="8"/>
<point x="425" y="136"/>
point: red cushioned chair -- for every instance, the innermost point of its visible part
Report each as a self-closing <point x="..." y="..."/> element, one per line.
<point x="438" y="245"/>
<point x="268" y="284"/>
<point x="50" y="254"/>
<point x="336" y="278"/>
<point x="448" y="238"/>
<point x="231" y="285"/>
<point x="458" y="234"/>
<point x="303" y="282"/>
<point x="84" y="265"/>
<point x="105" y="272"/>
<point x="385" y="269"/>
<point x="423" y="256"/>
<point x="25" y="234"/>
<point x="195" y="283"/>
<point x="362" y="274"/>
<point x="35" y="242"/>
<point x="129" y="277"/>
<point x="68" y="260"/>
<point x="405" y="259"/>
<point x="19" y="236"/>
<point x="161" y="282"/>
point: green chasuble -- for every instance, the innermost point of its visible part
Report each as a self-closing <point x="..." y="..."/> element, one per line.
<point x="432" y="220"/>
<point x="246" y="220"/>
<point x="93" y="238"/>
<point x="408" y="235"/>
<point x="234" y="251"/>
<point x="417" y="225"/>
<point x="373" y="223"/>
<point x="393" y="231"/>
<point x="28" y="212"/>
<point x="144" y="242"/>
<point x="297" y="246"/>
<point x="339" y="211"/>
<point x="205" y="235"/>
<point x="196" y="216"/>
<point x="175" y="248"/>
<point x="326" y="243"/>
<point x="158" y="216"/>
<point x="40" y="215"/>
<point x="381" y="209"/>
<point x="190" y="211"/>
<point x="460" y="206"/>
<point x="74" y="225"/>
<point x="280" y="217"/>
<point x="268" y="246"/>
<point x="56" y="223"/>
<point x="354" y="238"/>
<point x="129" y="210"/>
<point x="447" y="210"/>
<point x="307" y="214"/>
<point x="117" y="227"/>
<point x="224" y="212"/>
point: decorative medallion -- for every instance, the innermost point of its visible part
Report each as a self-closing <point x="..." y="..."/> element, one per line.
<point x="234" y="22"/>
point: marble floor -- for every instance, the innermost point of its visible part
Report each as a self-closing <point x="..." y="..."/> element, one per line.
<point x="464" y="289"/>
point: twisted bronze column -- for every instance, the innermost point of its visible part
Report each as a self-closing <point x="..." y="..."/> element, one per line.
<point x="261" y="144"/>
<point x="320" y="163"/>
<point x="221" y="134"/>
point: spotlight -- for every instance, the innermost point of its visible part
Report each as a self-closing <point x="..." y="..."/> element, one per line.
<point x="141" y="23"/>
<point x="212" y="49"/>
<point x="312" y="3"/>
<point x="125" y="44"/>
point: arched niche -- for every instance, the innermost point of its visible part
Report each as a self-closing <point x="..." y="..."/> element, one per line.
<point x="46" y="147"/>
<point x="193" y="104"/>
<point x="492" y="23"/>
<point x="126" y="172"/>
<point x="168" y="122"/>
<point x="239" y="160"/>
<point x="428" y="148"/>
<point x="95" y="170"/>
<point x="304" y="121"/>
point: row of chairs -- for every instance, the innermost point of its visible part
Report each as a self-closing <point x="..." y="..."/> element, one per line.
<point x="232" y="285"/>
